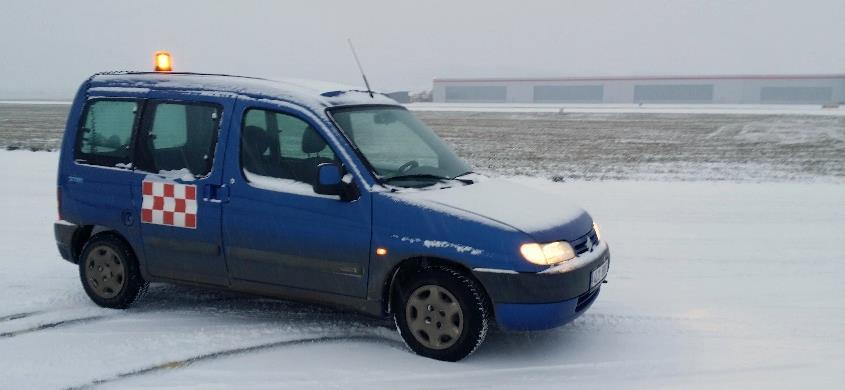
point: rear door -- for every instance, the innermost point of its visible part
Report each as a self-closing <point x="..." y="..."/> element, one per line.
<point x="96" y="169"/>
<point x="178" y="162"/>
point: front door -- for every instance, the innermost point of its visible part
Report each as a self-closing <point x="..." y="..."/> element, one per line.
<point x="277" y="231"/>
<point x="178" y="165"/>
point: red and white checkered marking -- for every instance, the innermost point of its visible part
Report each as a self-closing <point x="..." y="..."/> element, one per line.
<point x="170" y="204"/>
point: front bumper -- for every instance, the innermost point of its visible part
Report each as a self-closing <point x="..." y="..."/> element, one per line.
<point x="539" y="316"/>
<point x="543" y="300"/>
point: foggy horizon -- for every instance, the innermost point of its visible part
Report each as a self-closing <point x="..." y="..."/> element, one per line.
<point x="53" y="46"/>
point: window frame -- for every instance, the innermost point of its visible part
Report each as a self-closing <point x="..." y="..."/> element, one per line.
<point x="276" y="110"/>
<point x="146" y="121"/>
<point x="77" y="143"/>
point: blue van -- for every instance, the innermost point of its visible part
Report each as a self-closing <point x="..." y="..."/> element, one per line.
<point x="311" y="192"/>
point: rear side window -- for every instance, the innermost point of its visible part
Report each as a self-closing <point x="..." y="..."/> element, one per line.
<point x="106" y="133"/>
<point x="178" y="138"/>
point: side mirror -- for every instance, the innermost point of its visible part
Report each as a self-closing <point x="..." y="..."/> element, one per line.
<point x="329" y="180"/>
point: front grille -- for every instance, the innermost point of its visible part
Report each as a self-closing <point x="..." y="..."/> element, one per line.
<point x="585" y="300"/>
<point x="586" y="242"/>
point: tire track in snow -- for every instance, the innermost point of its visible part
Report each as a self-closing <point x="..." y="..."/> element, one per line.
<point x="52" y="325"/>
<point x="17" y="316"/>
<point x="176" y="364"/>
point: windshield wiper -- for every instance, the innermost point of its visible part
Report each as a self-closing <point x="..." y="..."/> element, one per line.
<point x="422" y="176"/>
<point x="463" y="174"/>
<point x="416" y="176"/>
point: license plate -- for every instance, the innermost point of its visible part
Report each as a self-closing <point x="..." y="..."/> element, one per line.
<point x="599" y="273"/>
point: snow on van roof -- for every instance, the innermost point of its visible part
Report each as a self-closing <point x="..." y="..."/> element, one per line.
<point x="313" y="94"/>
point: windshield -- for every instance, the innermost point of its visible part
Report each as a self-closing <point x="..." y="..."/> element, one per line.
<point x="400" y="148"/>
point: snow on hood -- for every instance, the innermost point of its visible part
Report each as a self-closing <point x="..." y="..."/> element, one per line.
<point x="513" y="204"/>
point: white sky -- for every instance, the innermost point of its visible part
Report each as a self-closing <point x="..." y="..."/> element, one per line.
<point x="49" y="47"/>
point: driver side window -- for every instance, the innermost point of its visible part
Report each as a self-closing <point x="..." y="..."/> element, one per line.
<point x="281" y="146"/>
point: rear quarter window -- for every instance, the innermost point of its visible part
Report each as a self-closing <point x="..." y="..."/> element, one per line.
<point x="105" y="135"/>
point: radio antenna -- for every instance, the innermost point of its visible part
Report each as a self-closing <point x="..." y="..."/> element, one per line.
<point x="360" y="68"/>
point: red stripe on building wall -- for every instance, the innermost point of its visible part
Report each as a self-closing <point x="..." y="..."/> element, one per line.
<point x="644" y="78"/>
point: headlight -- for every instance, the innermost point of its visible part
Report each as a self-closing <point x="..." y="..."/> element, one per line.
<point x="547" y="254"/>
<point x="598" y="231"/>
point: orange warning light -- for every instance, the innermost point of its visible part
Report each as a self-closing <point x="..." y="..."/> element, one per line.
<point x="163" y="62"/>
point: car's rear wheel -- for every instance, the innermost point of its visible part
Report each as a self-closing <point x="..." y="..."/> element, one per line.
<point x="109" y="272"/>
<point x="441" y="313"/>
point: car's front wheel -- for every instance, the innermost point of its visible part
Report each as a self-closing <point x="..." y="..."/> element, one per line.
<point x="441" y="314"/>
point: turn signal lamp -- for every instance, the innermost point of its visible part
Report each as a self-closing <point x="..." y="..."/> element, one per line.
<point x="163" y="62"/>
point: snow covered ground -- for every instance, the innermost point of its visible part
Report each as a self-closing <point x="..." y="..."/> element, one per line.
<point x="691" y="143"/>
<point x="712" y="284"/>
<point x="648" y="146"/>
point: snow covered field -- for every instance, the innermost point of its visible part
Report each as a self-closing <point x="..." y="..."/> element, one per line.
<point x="648" y="146"/>
<point x="712" y="284"/>
<point x="680" y="143"/>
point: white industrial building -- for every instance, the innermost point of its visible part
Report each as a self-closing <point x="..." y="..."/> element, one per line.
<point x="732" y="89"/>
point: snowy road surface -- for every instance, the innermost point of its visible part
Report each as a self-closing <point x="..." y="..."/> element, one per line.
<point x="712" y="284"/>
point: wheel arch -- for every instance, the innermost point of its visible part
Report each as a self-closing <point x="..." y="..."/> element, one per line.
<point x="406" y="267"/>
<point x="86" y="232"/>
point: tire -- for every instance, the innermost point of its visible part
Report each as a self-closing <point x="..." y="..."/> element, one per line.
<point x="441" y="314"/>
<point x="109" y="272"/>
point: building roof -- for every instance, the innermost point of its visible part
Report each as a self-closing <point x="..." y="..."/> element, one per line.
<point x="633" y="78"/>
<point x="313" y="94"/>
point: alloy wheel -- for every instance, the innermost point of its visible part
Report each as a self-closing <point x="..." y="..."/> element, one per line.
<point x="434" y="317"/>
